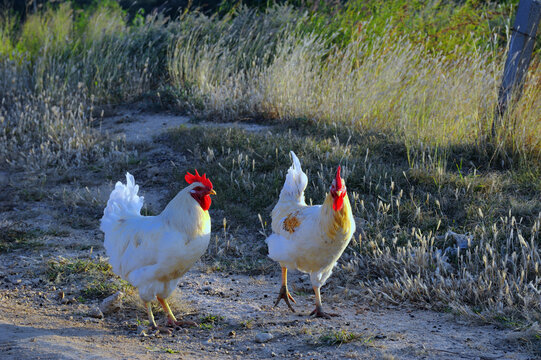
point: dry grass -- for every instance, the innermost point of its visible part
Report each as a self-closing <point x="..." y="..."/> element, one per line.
<point x="50" y="82"/>
<point x="392" y="86"/>
<point x="406" y="252"/>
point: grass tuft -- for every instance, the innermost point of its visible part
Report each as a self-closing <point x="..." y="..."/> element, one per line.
<point x="339" y="337"/>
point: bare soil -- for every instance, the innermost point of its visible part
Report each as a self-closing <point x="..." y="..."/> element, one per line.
<point x="232" y="308"/>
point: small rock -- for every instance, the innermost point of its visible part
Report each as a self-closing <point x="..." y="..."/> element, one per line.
<point x="95" y="312"/>
<point x="68" y="301"/>
<point x="142" y="331"/>
<point x="263" y="337"/>
<point x="112" y="303"/>
<point x="232" y="333"/>
<point x="14" y="280"/>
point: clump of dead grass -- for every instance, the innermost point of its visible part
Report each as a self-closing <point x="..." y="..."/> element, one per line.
<point x="387" y="85"/>
<point x="50" y="82"/>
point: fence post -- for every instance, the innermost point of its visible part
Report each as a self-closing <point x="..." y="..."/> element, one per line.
<point x="519" y="55"/>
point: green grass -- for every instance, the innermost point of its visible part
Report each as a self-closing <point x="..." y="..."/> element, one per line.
<point x="340" y="337"/>
<point x="13" y="238"/>
<point x="162" y="349"/>
<point x="96" y="276"/>
<point x="208" y="322"/>
<point x="450" y="27"/>
<point x="64" y="267"/>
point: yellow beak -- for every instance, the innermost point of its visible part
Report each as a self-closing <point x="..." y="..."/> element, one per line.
<point x="212" y="192"/>
<point x="338" y="193"/>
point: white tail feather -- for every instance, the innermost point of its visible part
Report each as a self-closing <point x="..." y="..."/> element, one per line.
<point x="123" y="203"/>
<point x="296" y="181"/>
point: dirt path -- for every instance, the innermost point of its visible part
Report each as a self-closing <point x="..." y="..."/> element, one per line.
<point x="233" y="309"/>
<point x="243" y="308"/>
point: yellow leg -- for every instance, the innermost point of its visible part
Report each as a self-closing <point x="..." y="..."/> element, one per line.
<point x="150" y="315"/>
<point x="318" y="311"/>
<point x="171" y="319"/>
<point x="167" y="309"/>
<point x="318" y="296"/>
<point x="284" y="293"/>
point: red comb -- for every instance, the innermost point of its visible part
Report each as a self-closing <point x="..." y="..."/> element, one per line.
<point x="338" y="178"/>
<point x="190" y="178"/>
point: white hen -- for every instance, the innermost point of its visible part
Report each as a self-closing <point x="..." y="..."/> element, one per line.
<point x="309" y="238"/>
<point x="153" y="252"/>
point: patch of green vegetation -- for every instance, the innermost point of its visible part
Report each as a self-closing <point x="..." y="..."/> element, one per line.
<point x="98" y="289"/>
<point x="12" y="238"/>
<point x="62" y="268"/>
<point x="208" y="322"/>
<point x="509" y="322"/>
<point x="339" y="337"/>
<point x="32" y="194"/>
<point x="57" y="232"/>
<point x="247" y="324"/>
<point x="96" y="277"/>
<point x="453" y="27"/>
<point x="258" y="264"/>
<point x="162" y="349"/>
<point x="79" y="221"/>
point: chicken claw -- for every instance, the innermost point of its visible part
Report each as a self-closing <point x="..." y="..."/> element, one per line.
<point x="171" y="320"/>
<point x="284" y="294"/>
<point x="319" y="313"/>
<point x="181" y="323"/>
<point x="161" y="330"/>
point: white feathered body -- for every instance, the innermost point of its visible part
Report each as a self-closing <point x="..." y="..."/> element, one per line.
<point x="153" y="252"/>
<point x="308" y="238"/>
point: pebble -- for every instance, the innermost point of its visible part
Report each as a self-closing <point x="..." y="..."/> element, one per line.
<point x="142" y="331"/>
<point x="112" y="303"/>
<point x="95" y="312"/>
<point x="14" y="280"/>
<point x="67" y="301"/>
<point x="263" y="337"/>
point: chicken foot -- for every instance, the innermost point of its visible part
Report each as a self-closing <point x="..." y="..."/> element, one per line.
<point x="284" y="293"/>
<point x="152" y="322"/>
<point x="171" y="320"/>
<point x="318" y="311"/>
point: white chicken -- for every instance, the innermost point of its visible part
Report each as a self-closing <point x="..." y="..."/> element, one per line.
<point x="153" y="252"/>
<point x="309" y="238"/>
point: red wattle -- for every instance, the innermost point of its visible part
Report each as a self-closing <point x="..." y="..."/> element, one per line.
<point x="338" y="203"/>
<point x="205" y="202"/>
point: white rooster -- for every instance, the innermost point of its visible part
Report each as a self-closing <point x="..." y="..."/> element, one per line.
<point x="153" y="252"/>
<point x="309" y="238"/>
